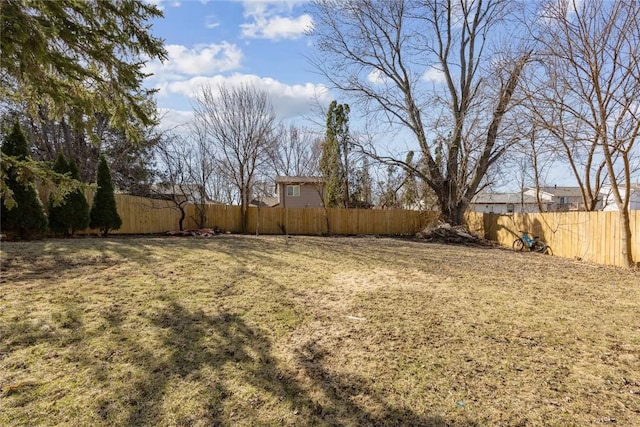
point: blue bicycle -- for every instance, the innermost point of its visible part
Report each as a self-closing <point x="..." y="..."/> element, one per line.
<point x="533" y="244"/>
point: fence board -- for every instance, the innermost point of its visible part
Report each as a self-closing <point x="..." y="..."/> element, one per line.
<point x="635" y="234"/>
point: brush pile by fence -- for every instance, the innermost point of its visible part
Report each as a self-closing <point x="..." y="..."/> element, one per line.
<point x="445" y="233"/>
<point x="200" y="232"/>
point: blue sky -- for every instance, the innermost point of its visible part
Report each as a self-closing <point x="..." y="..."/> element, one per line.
<point x="261" y="42"/>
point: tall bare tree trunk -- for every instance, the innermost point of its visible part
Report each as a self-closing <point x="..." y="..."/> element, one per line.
<point x="377" y="51"/>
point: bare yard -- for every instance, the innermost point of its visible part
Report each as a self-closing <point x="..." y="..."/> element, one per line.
<point x="243" y="330"/>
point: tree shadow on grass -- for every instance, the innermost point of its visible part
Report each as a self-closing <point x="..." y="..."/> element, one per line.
<point x="170" y="365"/>
<point x="18" y="333"/>
<point x="342" y="391"/>
<point x="236" y="379"/>
<point x="204" y="352"/>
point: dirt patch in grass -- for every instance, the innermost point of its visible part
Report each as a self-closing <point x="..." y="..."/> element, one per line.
<point x="243" y="330"/>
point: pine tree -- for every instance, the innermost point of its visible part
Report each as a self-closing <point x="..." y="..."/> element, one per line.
<point x="27" y="217"/>
<point x="104" y="214"/>
<point x="330" y="168"/>
<point x="333" y="163"/>
<point x="72" y="214"/>
<point x="410" y="196"/>
<point x="58" y="211"/>
<point x="77" y="203"/>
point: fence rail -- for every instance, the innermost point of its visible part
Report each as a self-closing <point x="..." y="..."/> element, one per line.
<point x="590" y="236"/>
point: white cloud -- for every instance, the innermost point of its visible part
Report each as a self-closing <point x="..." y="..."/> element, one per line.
<point x="434" y="75"/>
<point x="156" y="3"/>
<point x="558" y="11"/>
<point x="171" y="119"/>
<point x="211" y="21"/>
<point x="376" y="77"/>
<point x="160" y="3"/>
<point x="201" y="59"/>
<point x="288" y="100"/>
<point x="259" y="7"/>
<point x="278" y="27"/>
<point x="273" y="20"/>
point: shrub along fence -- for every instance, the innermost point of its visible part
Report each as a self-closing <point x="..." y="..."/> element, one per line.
<point x="588" y="236"/>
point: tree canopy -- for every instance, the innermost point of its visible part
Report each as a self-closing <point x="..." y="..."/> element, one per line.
<point x="85" y="56"/>
<point x="78" y="60"/>
<point x="335" y="149"/>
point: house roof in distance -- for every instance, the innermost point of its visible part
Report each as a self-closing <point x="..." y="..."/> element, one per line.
<point x="299" y="179"/>
<point x="502" y="198"/>
<point x="267" y="202"/>
<point x="561" y="191"/>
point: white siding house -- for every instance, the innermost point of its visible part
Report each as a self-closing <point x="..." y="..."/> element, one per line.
<point x="610" y="203"/>
<point x="560" y="199"/>
<point x="502" y="203"/>
<point x="552" y="199"/>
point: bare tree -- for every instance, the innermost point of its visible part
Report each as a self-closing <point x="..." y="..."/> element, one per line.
<point x="382" y="52"/>
<point x="590" y="51"/>
<point x="362" y="185"/>
<point x="173" y="154"/>
<point x="296" y="152"/>
<point x="529" y="163"/>
<point x="221" y="189"/>
<point x="388" y="185"/>
<point x="203" y="167"/>
<point x="240" y="122"/>
<point x="131" y="165"/>
<point x="558" y="118"/>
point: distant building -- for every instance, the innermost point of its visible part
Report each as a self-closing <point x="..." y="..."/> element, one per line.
<point x="552" y="199"/>
<point x="610" y="203"/>
<point x="265" y="202"/>
<point x="502" y="203"/>
<point x="561" y="199"/>
<point x="300" y="191"/>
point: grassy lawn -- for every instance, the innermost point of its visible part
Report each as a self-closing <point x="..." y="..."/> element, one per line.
<point x="244" y="330"/>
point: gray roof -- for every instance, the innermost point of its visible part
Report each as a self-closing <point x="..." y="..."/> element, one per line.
<point x="561" y="191"/>
<point x="502" y="199"/>
<point x="268" y="202"/>
<point x="299" y="179"/>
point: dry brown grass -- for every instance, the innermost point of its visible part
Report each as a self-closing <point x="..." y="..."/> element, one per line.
<point x="240" y="330"/>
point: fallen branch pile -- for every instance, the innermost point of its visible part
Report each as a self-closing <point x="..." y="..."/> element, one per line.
<point x="200" y="232"/>
<point x="445" y="233"/>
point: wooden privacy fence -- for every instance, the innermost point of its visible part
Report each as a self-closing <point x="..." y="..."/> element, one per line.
<point x="142" y="216"/>
<point x="589" y="236"/>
